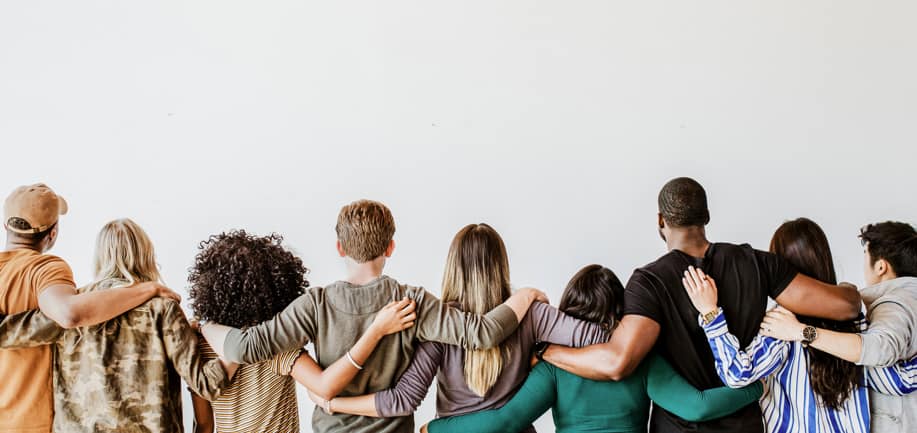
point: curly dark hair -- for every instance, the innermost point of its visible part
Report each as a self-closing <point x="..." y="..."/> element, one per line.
<point x="239" y="279"/>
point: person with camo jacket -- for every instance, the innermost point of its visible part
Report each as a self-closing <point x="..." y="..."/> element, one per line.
<point x="123" y="374"/>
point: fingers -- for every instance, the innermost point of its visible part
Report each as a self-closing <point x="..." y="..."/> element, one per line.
<point x="168" y="293"/>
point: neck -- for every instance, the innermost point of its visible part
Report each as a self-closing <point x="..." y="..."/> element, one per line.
<point x="359" y="274"/>
<point x="689" y="240"/>
<point x="16" y="244"/>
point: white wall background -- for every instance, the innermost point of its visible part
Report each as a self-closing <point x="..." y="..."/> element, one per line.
<point x="556" y="122"/>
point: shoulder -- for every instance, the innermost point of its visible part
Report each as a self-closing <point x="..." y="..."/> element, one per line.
<point x="48" y="263"/>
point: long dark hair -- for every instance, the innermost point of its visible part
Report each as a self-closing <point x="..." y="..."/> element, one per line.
<point x="594" y="295"/>
<point x="805" y="246"/>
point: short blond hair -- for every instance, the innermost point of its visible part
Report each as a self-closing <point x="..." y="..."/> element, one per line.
<point x="365" y="229"/>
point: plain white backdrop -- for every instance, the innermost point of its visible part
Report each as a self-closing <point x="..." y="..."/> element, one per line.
<point x="555" y="122"/>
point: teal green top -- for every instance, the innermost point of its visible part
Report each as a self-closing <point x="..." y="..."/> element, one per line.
<point x="583" y="405"/>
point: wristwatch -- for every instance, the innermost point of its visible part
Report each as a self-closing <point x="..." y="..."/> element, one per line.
<point x="708" y="317"/>
<point x="809" y="334"/>
<point x="540" y="348"/>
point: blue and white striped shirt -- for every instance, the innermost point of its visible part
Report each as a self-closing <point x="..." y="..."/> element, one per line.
<point x="788" y="403"/>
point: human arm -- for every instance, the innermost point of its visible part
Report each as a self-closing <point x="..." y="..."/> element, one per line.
<point x="72" y="309"/>
<point x="810" y="297"/>
<point x="550" y="325"/>
<point x="205" y="378"/>
<point x="203" y="414"/>
<point x="328" y="383"/>
<point x="290" y="329"/>
<point x="407" y="394"/>
<point x="899" y="379"/>
<point x="439" y="322"/>
<point x="28" y="329"/>
<point x="676" y="395"/>
<point x="782" y="324"/>
<point x="537" y="395"/>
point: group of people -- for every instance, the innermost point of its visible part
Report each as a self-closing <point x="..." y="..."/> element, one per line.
<point x="710" y="337"/>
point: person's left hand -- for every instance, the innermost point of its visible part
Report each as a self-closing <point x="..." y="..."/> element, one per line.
<point x="423" y="428"/>
<point x="781" y="324"/>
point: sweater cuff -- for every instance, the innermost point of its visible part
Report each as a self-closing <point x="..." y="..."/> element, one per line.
<point x="869" y="350"/>
<point x="506" y="317"/>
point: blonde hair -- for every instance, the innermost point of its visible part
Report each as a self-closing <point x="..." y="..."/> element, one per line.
<point x="124" y="252"/>
<point x="365" y="229"/>
<point x="477" y="277"/>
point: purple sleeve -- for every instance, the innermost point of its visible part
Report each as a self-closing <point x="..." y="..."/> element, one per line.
<point x="551" y="325"/>
<point x="412" y="386"/>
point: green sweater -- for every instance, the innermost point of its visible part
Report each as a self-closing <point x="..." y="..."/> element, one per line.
<point x="583" y="405"/>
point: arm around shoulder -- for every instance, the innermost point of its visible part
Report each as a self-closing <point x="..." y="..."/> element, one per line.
<point x="631" y="340"/>
<point x="809" y="297"/>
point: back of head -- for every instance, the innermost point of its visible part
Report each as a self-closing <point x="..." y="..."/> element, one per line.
<point x="594" y="294"/>
<point x="240" y="279"/>
<point x="477" y="277"/>
<point x="365" y="229"/>
<point x="804" y="244"/>
<point x="31" y="212"/>
<point x="124" y="252"/>
<point x="683" y="203"/>
<point x="895" y="242"/>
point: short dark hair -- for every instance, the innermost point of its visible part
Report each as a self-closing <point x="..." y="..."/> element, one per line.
<point x="594" y="294"/>
<point x="21" y="224"/>
<point x="239" y="279"/>
<point x="895" y="242"/>
<point x="683" y="203"/>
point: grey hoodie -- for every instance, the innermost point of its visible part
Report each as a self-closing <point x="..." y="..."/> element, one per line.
<point x="891" y="308"/>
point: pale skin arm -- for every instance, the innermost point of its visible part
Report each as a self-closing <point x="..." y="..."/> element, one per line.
<point x="326" y="384"/>
<point x="523" y="299"/>
<point x="782" y="324"/>
<point x="631" y="341"/>
<point x="71" y="309"/>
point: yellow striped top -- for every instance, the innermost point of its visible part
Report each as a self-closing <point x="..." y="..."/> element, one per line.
<point x="261" y="397"/>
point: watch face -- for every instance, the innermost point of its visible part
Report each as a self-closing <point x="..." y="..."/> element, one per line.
<point x="809" y="334"/>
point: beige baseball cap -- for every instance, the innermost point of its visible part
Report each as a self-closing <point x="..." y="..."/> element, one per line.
<point x="32" y="209"/>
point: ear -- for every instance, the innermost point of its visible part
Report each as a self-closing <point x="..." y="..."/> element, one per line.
<point x="661" y="221"/>
<point x="390" y="249"/>
<point x="881" y="268"/>
<point x="340" y="249"/>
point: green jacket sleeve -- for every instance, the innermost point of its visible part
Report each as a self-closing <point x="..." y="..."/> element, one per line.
<point x="675" y="394"/>
<point x="204" y="377"/>
<point x="536" y="396"/>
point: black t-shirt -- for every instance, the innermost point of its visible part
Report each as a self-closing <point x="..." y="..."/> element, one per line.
<point x="744" y="277"/>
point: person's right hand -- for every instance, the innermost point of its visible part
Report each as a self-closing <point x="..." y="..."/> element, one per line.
<point x="701" y="289"/>
<point x="536" y="295"/>
<point x="158" y="290"/>
<point x="395" y="317"/>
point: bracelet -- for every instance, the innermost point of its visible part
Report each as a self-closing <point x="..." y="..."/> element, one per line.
<point x="352" y="362"/>
<point x="326" y="404"/>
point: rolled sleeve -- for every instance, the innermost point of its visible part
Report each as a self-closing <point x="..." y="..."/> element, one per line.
<point x="887" y="340"/>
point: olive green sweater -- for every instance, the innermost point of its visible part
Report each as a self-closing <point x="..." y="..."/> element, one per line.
<point x="334" y="317"/>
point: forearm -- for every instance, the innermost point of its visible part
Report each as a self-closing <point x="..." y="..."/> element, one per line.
<point x="71" y="309"/>
<point x="596" y="362"/>
<point x="364" y="405"/>
<point x="329" y="382"/>
<point x="846" y="346"/>
<point x="203" y="414"/>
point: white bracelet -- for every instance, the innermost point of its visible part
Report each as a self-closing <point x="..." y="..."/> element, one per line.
<point x="354" y="363"/>
<point x="327" y="407"/>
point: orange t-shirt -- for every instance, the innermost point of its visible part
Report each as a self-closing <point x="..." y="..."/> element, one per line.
<point x="26" y="404"/>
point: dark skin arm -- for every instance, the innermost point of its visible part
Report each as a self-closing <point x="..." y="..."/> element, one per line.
<point x="631" y="341"/>
<point x="809" y="297"/>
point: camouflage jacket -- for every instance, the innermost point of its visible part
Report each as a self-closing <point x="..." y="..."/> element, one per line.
<point x="122" y="375"/>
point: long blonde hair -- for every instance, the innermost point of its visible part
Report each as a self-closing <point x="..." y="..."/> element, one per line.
<point x="124" y="252"/>
<point x="477" y="277"/>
